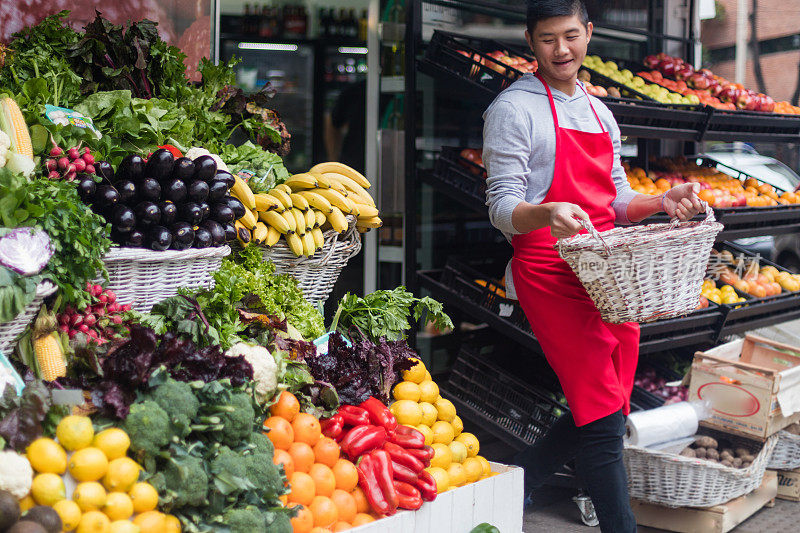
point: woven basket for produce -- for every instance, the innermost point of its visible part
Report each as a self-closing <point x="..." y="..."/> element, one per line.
<point x="316" y="275"/>
<point x="9" y="331"/>
<point x="642" y="273"/>
<point x="676" y="481"/>
<point x="143" y="277"/>
<point x="787" y="452"/>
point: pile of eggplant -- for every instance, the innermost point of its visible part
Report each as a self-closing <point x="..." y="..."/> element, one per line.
<point x="164" y="203"/>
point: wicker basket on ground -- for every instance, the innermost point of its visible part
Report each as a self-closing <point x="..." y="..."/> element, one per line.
<point x="9" y="331"/>
<point x="787" y="452"/>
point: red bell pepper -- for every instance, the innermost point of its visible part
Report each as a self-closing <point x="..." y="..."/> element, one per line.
<point x="423" y="454"/>
<point x="176" y="153"/>
<point x="427" y="486"/>
<point x="362" y="439"/>
<point x="333" y="427"/>
<point x="353" y="416"/>
<point x="401" y="455"/>
<point x="408" y="496"/>
<point x="408" y="437"/>
<point x="368" y="481"/>
<point x="403" y="473"/>
<point x="379" y="414"/>
<point x="383" y="471"/>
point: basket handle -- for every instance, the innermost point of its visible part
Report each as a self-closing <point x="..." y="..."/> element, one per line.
<point x="588" y="226"/>
<point x="708" y="220"/>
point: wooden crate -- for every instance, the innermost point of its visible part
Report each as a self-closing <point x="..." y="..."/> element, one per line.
<point x="789" y="485"/>
<point x="717" y="519"/>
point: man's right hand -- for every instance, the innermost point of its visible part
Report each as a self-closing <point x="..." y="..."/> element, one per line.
<point x="564" y="219"/>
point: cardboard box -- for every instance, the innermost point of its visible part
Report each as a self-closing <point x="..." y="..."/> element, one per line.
<point x="753" y="385"/>
<point x="789" y="484"/>
<point x="496" y="500"/>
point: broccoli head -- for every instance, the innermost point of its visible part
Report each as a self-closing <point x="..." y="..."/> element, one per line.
<point x="265" y="475"/>
<point x="278" y="522"/>
<point x="179" y="402"/>
<point x="229" y="470"/>
<point x="262" y="444"/>
<point x="186" y="478"/>
<point x="244" y="520"/>
<point x="237" y="418"/>
<point x="148" y="427"/>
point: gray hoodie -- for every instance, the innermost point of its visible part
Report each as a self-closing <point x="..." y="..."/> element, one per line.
<point x="519" y="146"/>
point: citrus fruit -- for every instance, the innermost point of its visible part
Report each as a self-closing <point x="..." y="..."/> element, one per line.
<point x="286" y="407"/>
<point x="458" y="426"/>
<point x="121" y="475"/>
<point x="446" y="409"/>
<point x="427" y="376"/>
<point x="303" y="488"/>
<point x="429" y="413"/>
<point x="90" y="496"/>
<point x="406" y="390"/>
<point x="324" y="480"/>
<point x="456" y="475"/>
<point x="47" y="456"/>
<point x="473" y="468"/>
<point x="428" y="391"/>
<point x="151" y="522"/>
<point x="487" y="468"/>
<point x="118" y="506"/>
<point x="427" y="432"/>
<point x="113" y="442"/>
<point x="282" y="457"/>
<point x="48" y="488"/>
<point x="26" y="503"/>
<point x="442" y="456"/>
<point x="94" y="522"/>
<point x="346" y="475"/>
<point x="303" y="456"/>
<point x="320" y="530"/>
<point x="345" y="505"/>
<point x="362" y="505"/>
<point x="75" y="432"/>
<point x="279" y="431"/>
<point x="324" y="511"/>
<point x="361" y="519"/>
<point x="144" y="497"/>
<point x="123" y="526"/>
<point x="88" y="464"/>
<point x="407" y="412"/>
<point x="459" y="452"/>
<point x="441" y="478"/>
<point x="304" y="521"/>
<point x="415" y="374"/>
<point x="326" y="451"/>
<point x="471" y="442"/>
<point x="172" y="524"/>
<point x="341" y="526"/>
<point x="306" y="429"/>
<point x="69" y="512"/>
<point x="442" y="432"/>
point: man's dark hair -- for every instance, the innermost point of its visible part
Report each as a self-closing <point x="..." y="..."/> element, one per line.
<point x="545" y="9"/>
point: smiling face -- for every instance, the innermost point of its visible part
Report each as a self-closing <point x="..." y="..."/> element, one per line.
<point x="559" y="44"/>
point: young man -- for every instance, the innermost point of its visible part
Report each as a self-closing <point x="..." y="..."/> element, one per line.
<point x="552" y="155"/>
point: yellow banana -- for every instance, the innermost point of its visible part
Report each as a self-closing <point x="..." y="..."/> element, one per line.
<point x="322" y="181"/>
<point x="373" y="222"/>
<point x="242" y="233"/>
<point x="311" y="219"/>
<point x="337" y="220"/>
<point x="242" y="191"/>
<point x="248" y="219"/>
<point x="317" y="201"/>
<point x="272" y="236"/>
<point x="260" y="232"/>
<point x="367" y="211"/>
<point x="353" y="188"/>
<point x="295" y="244"/>
<point x="283" y="197"/>
<point x="343" y="169"/>
<point x="300" y="221"/>
<point x="300" y="182"/>
<point x="267" y="202"/>
<point x="288" y="216"/>
<point x="336" y="199"/>
<point x="285" y="188"/>
<point x="308" y="245"/>
<point x="299" y="202"/>
<point x="319" y="239"/>
<point x="320" y="218"/>
<point x="275" y="220"/>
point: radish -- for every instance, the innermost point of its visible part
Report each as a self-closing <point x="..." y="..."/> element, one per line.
<point x="92" y="333"/>
<point x="116" y="319"/>
<point x="86" y="150"/>
<point x="111" y="296"/>
<point x="103" y="298"/>
<point x="88" y="159"/>
<point x="63" y="163"/>
<point x="51" y="165"/>
<point x="90" y="169"/>
<point x="64" y="328"/>
<point x="100" y="312"/>
<point x="77" y="320"/>
<point x="90" y="320"/>
<point x="110" y="332"/>
<point x="79" y="164"/>
<point x="73" y="153"/>
<point x="72" y="334"/>
<point x="98" y="290"/>
<point x="56" y="151"/>
<point x="83" y="328"/>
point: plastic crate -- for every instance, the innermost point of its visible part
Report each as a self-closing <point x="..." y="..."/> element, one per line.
<point x="460" y="178"/>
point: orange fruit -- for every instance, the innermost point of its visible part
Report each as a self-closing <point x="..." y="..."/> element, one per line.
<point x="282" y="457"/>
<point x="321" y="530"/>
<point x="279" y="431"/>
<point x="362" y="505"/>
<point x="341" y="526"/>
<point x="286" y="407"/>
<point x="326" y="451"/>
<point x="324" y="511"/>
<point x="303" y="489"/>
<point x="324" y="480"/>
<point x="303" y="456"/>
<point x="346" y="475"/>
<point x="361" y="519"/>
<point x="284" y="498"/>
<point x="306" y="429"/>
<point x="304" y="521"/>
<point x="345" y="505"/>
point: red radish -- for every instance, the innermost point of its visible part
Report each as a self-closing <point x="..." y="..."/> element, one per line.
<point x="86" y="150"/>
<point x="73" y="153"/>
<point x="83" y="328"/>
<point x="90" y="169"/>
<point x="51" y="164"/>
<point x="90" y="320"/>
<point x="53" y="175"/>
<point x="56" y="151"/>
<point x="111" y="296"/>
<point x="92" y="333"/>
<point x="100" y="312"/>
<point x="69" y="310"/>
<point x="116" y="319"/>
<point x="63" y="163"/>
<point x="72" y="334"/>
<point x="98" y="290"/>
<point x="71" y="168"/>
<point x="88" y="158"/>
<point x="71" y="176"/>
<point x="63" y="319"/>
<point x="80" y="164"/>
<point x="77" y="320"/>
<point x="126" y="307"/>
<point x="89" y="287"/>
<point x="110" y="332"/>
<point x="64" y="328"/>
<point x="103" y="298"/>
<point x="112" y="308"/>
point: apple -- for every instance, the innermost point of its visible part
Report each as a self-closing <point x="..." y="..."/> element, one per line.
<point x="667" y="67"/>
<point x="684" y="72"/>
<point x="706" y="72"/>
<point x="698" y="81"/>
<point x="730" y="94"/>
<point x="651" y="61"/>
<point x="768" y="104"/>
<point x="741" y="199"/>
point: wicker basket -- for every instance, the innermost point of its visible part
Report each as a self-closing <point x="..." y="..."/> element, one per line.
<point x="677" y="481"/>
<point x="316" y="275"/>
<point x="787" y="452"/>
<point x="143" y="278"/>
<point x="9" y="331"/>
<point x="643" y="273"/>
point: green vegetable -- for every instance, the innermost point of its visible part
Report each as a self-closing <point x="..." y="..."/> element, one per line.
<point x="148" y="427"/>
<point x="267" y="168"/>
<point x="186" y="479"/>
<point x="265" y="475"/>
<point x="261" y="444"/>
<point x="278" y="522"/>
<point x="244" y="520"/>
<point x="178" y="401"/>
<point x="234" y="410"/>
<point x="485" y="528"/>
<point x="229" y="469"/>
<point x="16" y="292"/>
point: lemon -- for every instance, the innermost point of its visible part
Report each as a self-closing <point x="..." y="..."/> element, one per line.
<point x="90" y="496"/>
<point x="88" y="464"/>
<point x="47" y="456"/>
<point x="172" y="524"/>
<point x="118" y="506"/>
<point x="75" y="432"/>
<point x="471" y="442"/>
<point x="487" y="468"/>
<point x="458" y="451"/>
<point x="94" y="522"/>
<point x="406" y="390"/>
<point x="69" y="512"/>
<point x="446" y="409"/>
<point x="456" y="474"/>
<point x="441" y="478"/>
<point x="429" y="413"/>
<point x="473" y="468"/>
<point x="123" y="526"/>
<point x="121" y="475"/>
<point x="427" y="432"/>
<point x="48" y="488"/>
<point x="143" y="496"/>
<point x="458" y="426"/>
<point x="427" y="376"/>
<point x="26" y="503"/>
<point x="113" y="442"/>
<point x="407" y="412"/>
<point x="415" y="374"/>
<point x="151" y="522"/>
<point x="428" y="391"/>
<point x="442" y="456"/>
<point x="442" y="432"/>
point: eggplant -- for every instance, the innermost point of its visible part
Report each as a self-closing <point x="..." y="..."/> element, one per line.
<point x="230" y="232"/>
<point x="106" y="196"/>
<point x="86" y="189"/>
<point x="134" y="238"/>
<point x="217" y="190"/>
<point x="104" y="170"/>
<point x="190" y="212"/>
<point x="205" y="210"/>
<point x="169" y="213"/>
<point x="118" y="237"/>
<point x="183" y="169"/>
<point x="205" y="168"/>
<point x="149" y="189"/>
<point x="159" y="238"/>
<point x="216" y="230"/>
<point x="159" y="164"/>
<point x="182" y="235"/>
<point x="126" y="190"/>
<point x="131" y="168"/>
<point x="225" y="176"/>
<point x="175" y="190"/>
<point x="147" y="213"/>
<point x="237" y="206"/>
<point x="123" y="218"/>
<point x="202" y="238"/>
<point x="222" y="213"/>
<point x="198" y="191"/>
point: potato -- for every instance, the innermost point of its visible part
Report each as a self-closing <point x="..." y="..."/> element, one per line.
<point x="712" y="454"/>
<point x="737" y="462"/>
<point x="688" y="452"/>
<point x="745" y="464"/>
<point x="726" y="463"/>
<point x="726" y="455"/>
<point x="741" y="452"/>
<point x="748" y="458"/>
<point x="700" y="453"/>
<point x="706" y="442"/>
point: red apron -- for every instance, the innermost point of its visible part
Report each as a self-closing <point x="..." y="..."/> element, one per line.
<point x="595" y="361"/>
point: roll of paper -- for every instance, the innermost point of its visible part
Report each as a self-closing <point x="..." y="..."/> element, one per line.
<point x="662" y="424"/>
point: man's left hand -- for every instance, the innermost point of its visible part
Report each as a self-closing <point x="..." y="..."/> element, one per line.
<point x="682" y="201"/>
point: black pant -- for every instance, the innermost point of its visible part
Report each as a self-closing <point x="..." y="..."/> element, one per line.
<point x="597" y="450"/>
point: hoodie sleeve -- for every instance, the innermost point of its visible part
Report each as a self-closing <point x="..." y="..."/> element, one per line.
<point x="506" y="149"/>
<point x="624" y="192"/>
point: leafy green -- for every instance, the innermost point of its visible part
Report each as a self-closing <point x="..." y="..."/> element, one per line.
<point x="22" y="417"/>
<point x="267" y="168"/>
<point x="16" y="292"/>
